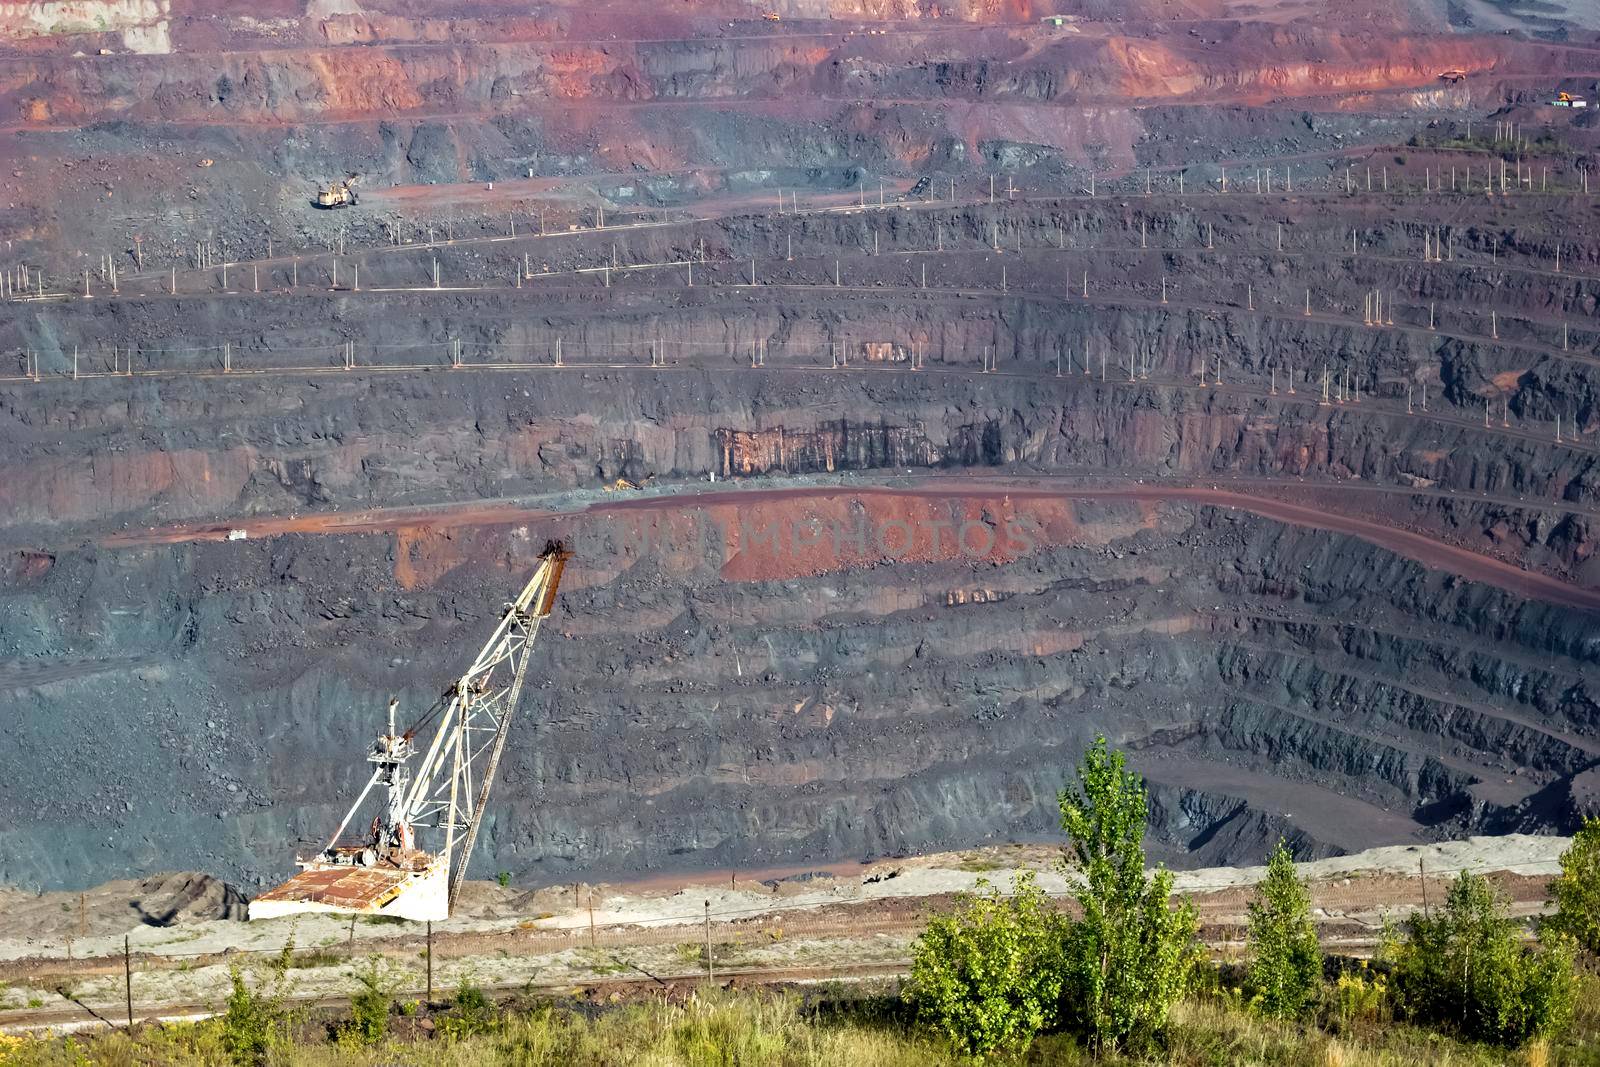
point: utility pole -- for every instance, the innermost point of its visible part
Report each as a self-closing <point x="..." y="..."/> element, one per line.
<point x="127" y="977"/>
<point x="710" y="969"/>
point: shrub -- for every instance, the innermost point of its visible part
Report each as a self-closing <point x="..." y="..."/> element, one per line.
<point x="254" y="1021"/>
<point x="472" y="1013"/>
<point x="1285" y="960"/>
<point x="1128" y="958"/>
<point x="1358" y="997"/>
<point x="1465" y="968"/>
<point x="503" y="879"/>
<point x="371" y="1003"/>
<point x="989" y="977"/>
<point x="1576" y="891"/>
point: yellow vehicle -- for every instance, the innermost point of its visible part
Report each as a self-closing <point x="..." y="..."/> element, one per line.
<point x="622" y="483"/>
<point x="337" y="194"/>
<point x="772" y="16"/>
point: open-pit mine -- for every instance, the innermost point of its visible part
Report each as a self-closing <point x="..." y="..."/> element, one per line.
<point x="912" y="392"/>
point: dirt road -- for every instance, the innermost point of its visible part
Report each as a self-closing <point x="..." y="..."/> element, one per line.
<point x="1428" y="551"/>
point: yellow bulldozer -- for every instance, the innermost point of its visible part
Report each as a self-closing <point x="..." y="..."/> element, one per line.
<point x="337" y="194"/>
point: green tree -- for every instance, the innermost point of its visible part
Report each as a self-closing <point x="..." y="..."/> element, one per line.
<point x="1576" y="891"/>
<point x="1465" y="967"/>
<point x="1129" y="956"/>
<point x="1285" y="959"/>
<point x="989" y="976"/>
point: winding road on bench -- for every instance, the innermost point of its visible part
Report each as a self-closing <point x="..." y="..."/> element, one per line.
<point x="1428" y="551"/>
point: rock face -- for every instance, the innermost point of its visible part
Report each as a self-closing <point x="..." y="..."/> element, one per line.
<point x="761" y="679"/>
<point x="1291" y="493"/>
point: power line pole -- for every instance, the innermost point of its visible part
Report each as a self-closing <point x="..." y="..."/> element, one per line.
<point x="710" y="970"/>
<point x="127" y="977"/>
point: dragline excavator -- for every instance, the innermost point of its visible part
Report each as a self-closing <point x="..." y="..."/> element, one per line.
<point x="443" y="795"/>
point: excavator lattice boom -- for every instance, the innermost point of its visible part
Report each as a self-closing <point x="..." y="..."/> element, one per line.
<point x="446" y="793"/>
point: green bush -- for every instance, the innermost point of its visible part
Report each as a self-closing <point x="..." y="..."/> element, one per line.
<point x="254" y="1022"/>
<point x="1285" y="970"/>
<point x="1464" y="968"/>
<point x="471" y="1013"/>
<point x="989" y="977"/>
<point x="1129" y="957"/>
<point x="1576" y="891"/>
<point x="371" y="1003"/>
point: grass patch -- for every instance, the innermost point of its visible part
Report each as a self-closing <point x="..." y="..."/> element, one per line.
<point x="830" y="1026"/>
<point x="315" y="958"/>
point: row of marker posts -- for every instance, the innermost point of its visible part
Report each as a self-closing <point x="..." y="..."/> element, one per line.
<point x="1337" y="387"/>
<point x="1431" y="253"/>
<point x="1372" y="312"/>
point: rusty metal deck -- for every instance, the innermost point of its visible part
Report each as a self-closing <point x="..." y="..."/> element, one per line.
<point x="357" y="888"/>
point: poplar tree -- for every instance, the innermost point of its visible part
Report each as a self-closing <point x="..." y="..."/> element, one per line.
<point x="1285" y="959"/>
<point x="1128" y="958"/>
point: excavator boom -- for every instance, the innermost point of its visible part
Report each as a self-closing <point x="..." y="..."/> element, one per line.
<point x="445" y="794"/>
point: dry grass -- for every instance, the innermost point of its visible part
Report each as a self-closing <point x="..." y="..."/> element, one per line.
<point x="765" y="1029"/>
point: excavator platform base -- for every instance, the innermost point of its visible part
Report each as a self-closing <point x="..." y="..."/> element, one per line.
<point x="336" y="888"/>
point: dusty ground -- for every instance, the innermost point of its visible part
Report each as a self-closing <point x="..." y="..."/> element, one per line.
<point x="843" y="921"/>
